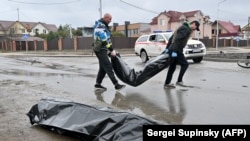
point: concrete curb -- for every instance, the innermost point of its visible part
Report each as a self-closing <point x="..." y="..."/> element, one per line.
<point x="220" y="59"/>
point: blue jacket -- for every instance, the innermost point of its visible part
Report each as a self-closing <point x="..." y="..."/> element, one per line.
<point x="102" y="36"/>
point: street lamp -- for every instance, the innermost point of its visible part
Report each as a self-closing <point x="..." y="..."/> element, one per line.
<point x="217" y="25"/>
<point x="248" y="28"/>
<point x="70" y="31"/>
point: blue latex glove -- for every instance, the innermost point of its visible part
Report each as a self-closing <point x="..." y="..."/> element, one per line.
<point x="165" y="51"/>
<point x="174" y="54"/>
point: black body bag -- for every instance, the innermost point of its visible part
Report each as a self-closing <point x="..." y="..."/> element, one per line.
<point x="135" y="78"/>
<point x="89" y="123"/>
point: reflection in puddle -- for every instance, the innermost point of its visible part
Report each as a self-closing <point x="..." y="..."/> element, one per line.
<point x="173" y="113"/>
<point x="56" y="66"/>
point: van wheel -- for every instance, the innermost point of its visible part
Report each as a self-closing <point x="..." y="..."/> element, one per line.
<point x="198" y="59"/>
<point x="144" y="56"/>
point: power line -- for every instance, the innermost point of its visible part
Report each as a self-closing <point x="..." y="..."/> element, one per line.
<point x="45" y="3"/>
<point x="121" y="6"/>
<point x="135" y="6"/>
<point x="29" y="19"/>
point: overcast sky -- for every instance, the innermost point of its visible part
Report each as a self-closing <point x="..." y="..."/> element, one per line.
<point x="81" y="13"/>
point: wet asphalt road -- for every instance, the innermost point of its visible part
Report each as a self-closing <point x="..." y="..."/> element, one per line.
<point x="221" y="93"/>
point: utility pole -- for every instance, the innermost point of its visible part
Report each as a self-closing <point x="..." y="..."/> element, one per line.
<point x="17" y="14"/>
<point x="100" y="9"/>
<point x="217" y="25"/>
<point x="70" y="31"/>
<point x="248" y="29"/>
<point x="197" y="33"/>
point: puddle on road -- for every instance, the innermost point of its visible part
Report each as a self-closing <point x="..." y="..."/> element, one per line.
<point x="42" y="74"/>
<point x="30" y="67"/>
<point x="172" y="112"/>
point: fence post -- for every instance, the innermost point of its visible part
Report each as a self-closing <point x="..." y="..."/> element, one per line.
<point x="35" y="45"/>
<point x="60" y="44"/>
<point x="45" y="45"/>
<point x="232" y="42"/>
<point x="27" y="45"/>
<point x="14" y="45"/>
<point x="75" y="43"/>
<point x="5" y="45"/>
<point x="214" y="42"/>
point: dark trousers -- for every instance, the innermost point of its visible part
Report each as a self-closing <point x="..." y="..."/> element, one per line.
<point x="182" y="61"/>
<point x="105" y="67"/>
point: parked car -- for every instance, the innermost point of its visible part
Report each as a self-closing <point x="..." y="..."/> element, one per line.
<point x="152" y="45"/>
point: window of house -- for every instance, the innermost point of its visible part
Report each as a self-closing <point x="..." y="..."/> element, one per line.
<point x="12" y="30"/>
<point x="214" y="31"/>
<point x="136" y="31"/>
<point x="36" y="30"/>
<point x="133" y="31"/>
<point x="23" y="30"/>
<point x="162" y="22"/>
<point x="44" y="31"/>
<point x="130" y="32"/>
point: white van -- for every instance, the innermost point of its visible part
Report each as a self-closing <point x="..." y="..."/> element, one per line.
<point x="153" y="44"/>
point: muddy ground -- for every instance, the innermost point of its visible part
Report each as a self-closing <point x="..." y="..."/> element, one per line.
<point x="22" y="85"/>
<point x="15" y="125"/>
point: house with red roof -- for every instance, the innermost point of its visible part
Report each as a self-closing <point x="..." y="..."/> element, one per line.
<point x="171" y="20"/>
<point x="226" y="29"/>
